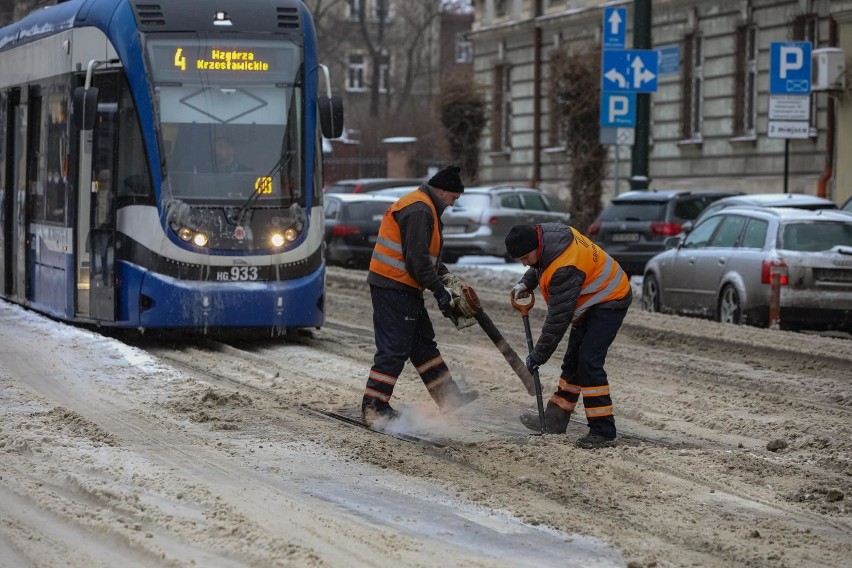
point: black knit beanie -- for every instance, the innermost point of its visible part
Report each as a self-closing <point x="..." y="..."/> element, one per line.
<point x="521" y="240"/>
<point x="448" y="179"/>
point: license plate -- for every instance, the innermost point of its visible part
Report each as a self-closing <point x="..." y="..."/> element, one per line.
<point x="454" y="229"/>
<point x="240" y="274"/>
<point x="624" y="237"/>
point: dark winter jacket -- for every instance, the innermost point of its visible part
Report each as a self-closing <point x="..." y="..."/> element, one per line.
<point x="565" y="287"/>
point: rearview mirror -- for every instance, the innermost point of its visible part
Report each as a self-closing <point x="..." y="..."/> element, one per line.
<point x="687" y="227"/>
<point x="84" y="107"/>
<point x="331" y="116"/>
<point x="672" y="242"/>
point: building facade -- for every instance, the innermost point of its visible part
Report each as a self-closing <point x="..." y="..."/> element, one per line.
<point x="710" y="114"/>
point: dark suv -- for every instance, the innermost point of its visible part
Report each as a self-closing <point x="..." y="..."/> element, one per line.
<point x="634" y="226"/>
<point x="365" y="185"/>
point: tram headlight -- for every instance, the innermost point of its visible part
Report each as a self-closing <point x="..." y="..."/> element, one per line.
<point x="185" y="234"/>
<point x="199" y="240"/>
<point x="277" y="239"/>
<point x="290" y="234"/>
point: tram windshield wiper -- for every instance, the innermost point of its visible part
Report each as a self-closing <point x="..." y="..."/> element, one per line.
<point x="285" y="159"/>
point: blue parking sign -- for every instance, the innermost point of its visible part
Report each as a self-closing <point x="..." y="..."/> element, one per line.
<point x="618" y="109"/>
<point x="790" y="68"/>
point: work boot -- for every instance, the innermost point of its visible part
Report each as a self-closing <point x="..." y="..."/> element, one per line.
<point x="594" y="441"/>
<point x="456" y="401"/>
<point x="555" y="420"/>
<point x="373" y="411"/>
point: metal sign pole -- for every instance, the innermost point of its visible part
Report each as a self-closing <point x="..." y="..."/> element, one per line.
<point x="786" y="163"/>
<point x="617" y="147"/>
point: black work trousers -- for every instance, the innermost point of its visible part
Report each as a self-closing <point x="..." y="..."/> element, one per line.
<point x="403" y="332"/>
<point x="583" y="368"/>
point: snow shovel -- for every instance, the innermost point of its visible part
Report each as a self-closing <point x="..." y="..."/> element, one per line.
<point x="525" y="310"/>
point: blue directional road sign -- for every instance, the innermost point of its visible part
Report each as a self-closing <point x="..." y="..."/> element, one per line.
<point x="614" y="28"/>
<point x="618" y="109"/>
<point x="790" y="68"/>
<point x="630" y="70"/>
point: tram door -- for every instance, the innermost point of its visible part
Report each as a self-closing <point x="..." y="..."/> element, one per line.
<point x="102" y="218"/>
<point x="7" y="149"/>
<point x="15" y="212"/>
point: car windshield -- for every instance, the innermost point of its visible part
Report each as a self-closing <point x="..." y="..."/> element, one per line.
<point x="367" y="211"/>
<point x="473" y="201"/>
<point x="634" y="211"/>
<point x="816" y="236"/>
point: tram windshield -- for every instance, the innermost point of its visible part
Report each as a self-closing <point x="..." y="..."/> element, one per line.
<point x="231" y="113"/>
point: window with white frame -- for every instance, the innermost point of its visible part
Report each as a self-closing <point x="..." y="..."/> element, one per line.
<point x="745" y="107"/>
<point x="501" y="8"/>
<point x="384" y="73"/>
<point x="357" y="69"/>
<point x="692" y="101"/>
<point x="382" y="10"/>
<point x="501" y="125"/>
<point x="354" y="9"/>
<point x="464" y="49"/>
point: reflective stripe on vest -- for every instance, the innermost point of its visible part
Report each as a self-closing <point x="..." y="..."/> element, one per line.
<point x="605" y="280"/>
<point x="387" y="257"/>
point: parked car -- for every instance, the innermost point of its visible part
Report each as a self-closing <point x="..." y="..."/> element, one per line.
<point x="721" y="269"/>
<point x="634" y="226"/>
<point x="798" y="200"/>
<point x="478" y="222"/>
<point x="366" y="185"/>
<point x="847" y="206"/>
<point x="396" y="192"/>
<point x="352" y="223"/>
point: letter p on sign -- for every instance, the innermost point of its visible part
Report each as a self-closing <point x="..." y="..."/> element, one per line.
<point x="618" y="109"/>
<point x="791" y="60"/>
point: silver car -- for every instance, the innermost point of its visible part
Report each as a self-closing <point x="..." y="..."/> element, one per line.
<point x="722" y="268"/>
<point x="478" y="222"/>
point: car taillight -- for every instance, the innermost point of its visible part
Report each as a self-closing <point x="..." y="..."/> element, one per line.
<point x="594" y="228"/>
<point x="493" y="220"/>
<point x="358" y="188"/>
<point x="343" y="230"/>
<point x="665" y="229"/>
<point x="767" y="267"/>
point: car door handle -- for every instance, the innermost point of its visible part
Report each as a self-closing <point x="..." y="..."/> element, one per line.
<point x="692" y="260"/>
<point x="722" y="260"/>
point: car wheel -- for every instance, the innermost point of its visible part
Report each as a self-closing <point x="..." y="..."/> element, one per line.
<point x="729" y="309"/>
<point x="650" y="294"/>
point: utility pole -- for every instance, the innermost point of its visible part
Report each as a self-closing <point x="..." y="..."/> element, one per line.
<point x="639" y="178"/>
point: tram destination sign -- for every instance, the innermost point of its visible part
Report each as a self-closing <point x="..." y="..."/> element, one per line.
<point x="173" y="60"/>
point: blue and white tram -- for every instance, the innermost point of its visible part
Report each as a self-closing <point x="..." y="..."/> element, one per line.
<point x="161" y="164"/>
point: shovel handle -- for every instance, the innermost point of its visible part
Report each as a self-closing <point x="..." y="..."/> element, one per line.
<point x="523" y="308"/>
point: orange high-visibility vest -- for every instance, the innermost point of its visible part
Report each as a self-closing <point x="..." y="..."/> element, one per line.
<point x="387" y="257"/>
<point x="605" y="280"/>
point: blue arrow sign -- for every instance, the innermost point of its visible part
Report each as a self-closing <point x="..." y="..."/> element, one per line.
<point x="614" y="28"/>
<point x="790" y="68"/>
<point x="630" y="70"/>
<point x="618" y="109"/>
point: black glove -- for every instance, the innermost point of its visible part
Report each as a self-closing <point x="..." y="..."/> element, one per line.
<point x="445" y="303"/>
<point x="533" y="363"/>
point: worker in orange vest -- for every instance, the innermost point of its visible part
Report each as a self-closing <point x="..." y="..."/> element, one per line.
<point x="406" y="261"/>
<point x="586" y="289"/>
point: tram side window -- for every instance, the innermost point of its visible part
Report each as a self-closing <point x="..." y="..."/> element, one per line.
<point x="134" y="180"/>
<point x="56" y="179"/>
